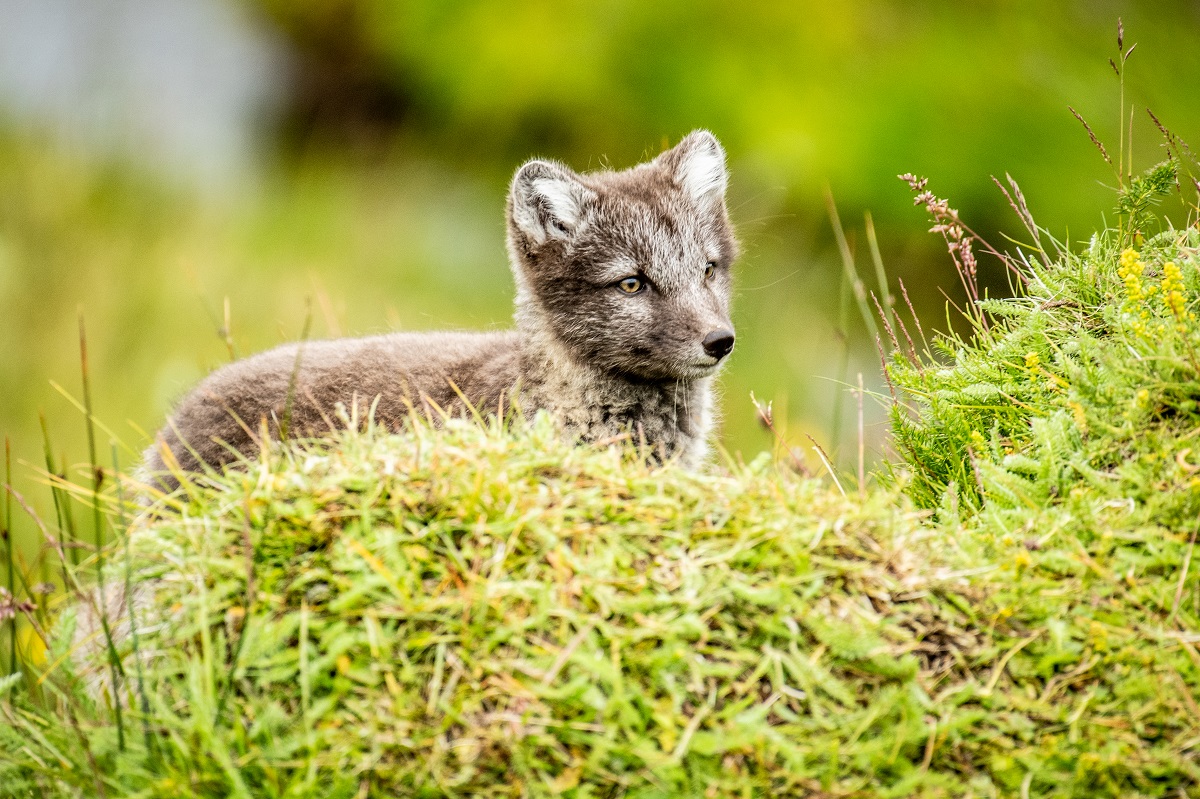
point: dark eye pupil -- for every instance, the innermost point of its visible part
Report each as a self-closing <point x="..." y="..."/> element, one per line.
<point x="710" y="269"/>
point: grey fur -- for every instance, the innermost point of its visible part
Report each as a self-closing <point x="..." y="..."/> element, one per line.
<point x="601" y="361"/>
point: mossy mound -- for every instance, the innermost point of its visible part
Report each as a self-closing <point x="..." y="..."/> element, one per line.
<point x="483" y="612"/>
<point x="479" y="612"/>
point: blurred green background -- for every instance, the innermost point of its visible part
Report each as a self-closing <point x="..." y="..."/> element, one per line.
<point x="349" y="158"/>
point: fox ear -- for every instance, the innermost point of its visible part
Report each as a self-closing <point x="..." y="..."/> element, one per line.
<point x="698" y="165"/>
<point x="547" y="200"/>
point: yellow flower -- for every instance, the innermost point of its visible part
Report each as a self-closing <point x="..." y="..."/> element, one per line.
<point x="1098" y="635"/>
<point x="1080" y="417"/>
<point x="1031" y="360"/>
<point x="1128" y="258"/>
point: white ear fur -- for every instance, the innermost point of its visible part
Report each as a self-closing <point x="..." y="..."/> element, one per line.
<point x="561" y="200"/>
<point x="699" y="163"/>
<point x="547" y="200"/>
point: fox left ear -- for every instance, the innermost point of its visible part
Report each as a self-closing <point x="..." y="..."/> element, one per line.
<point x="698" y="166"/>
<point x="546" y="201"/>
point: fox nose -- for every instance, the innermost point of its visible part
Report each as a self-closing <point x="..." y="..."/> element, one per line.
<point x="718" y="343"/>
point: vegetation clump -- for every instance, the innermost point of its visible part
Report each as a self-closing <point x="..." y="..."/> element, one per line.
<point x="1061" y="438"/>
<point x="502" y="614"/>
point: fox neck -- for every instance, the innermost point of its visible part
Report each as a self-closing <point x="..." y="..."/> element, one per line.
<point x="671" y="418"/>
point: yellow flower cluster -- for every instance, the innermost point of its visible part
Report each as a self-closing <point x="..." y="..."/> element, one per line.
<point x="1033" y="363"/>
<point x="1173" y="297"/>
<point x="1130" y="271"/>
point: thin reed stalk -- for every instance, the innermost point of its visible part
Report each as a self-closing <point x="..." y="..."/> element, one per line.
<point x="149" y="741"/>
<point x="98" y="533"/>
<point x="8" y="547"/>
<point x="862" y="478"/>
<point x="62" y="510"/>
<point x="294" y="378"/>
<point x="880" y="272"/>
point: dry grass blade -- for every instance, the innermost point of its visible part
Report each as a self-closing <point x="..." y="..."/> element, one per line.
<point x="1016" y="201"/>
<point x="849" y="269"/>
<point x="1092" y="135"/>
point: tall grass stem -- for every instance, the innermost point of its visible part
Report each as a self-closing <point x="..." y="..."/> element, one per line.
<point x="8" y="546"/>
<point x="98" y="533"/>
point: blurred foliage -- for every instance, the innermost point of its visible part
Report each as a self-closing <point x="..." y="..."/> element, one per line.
<point x="802" y="93"/>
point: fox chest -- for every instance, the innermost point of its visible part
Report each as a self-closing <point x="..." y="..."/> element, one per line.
<point x="672" y="421"/>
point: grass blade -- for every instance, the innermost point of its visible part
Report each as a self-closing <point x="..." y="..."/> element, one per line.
<point x="131" y="609"/>
<point x="286" y="422"/>
<point x="62" y="510"/>
<point x="98" y="532"/>
<point x="8" y="547"/>
<point x="885" y="294"/>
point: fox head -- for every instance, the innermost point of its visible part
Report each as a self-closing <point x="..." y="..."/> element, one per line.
<point x="629" y="270"/>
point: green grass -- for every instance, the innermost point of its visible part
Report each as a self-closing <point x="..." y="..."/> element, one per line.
<point x="487" y="612"/>
<point x="484" y="610"/>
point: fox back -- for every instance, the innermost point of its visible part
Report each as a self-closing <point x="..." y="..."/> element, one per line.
<point x="622" y="321"/>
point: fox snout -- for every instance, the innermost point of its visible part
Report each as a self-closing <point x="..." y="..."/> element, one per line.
<point x="718" y="343"/>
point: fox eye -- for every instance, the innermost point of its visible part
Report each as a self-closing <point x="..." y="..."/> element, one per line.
<point x="631" y="285"/>
<point x="710" y="270"/>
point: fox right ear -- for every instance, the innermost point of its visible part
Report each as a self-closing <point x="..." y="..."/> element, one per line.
<point x="547" y="200"/>
<point x="697" y="164"/>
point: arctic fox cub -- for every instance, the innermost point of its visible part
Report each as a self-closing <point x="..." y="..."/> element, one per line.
<point x="622" y="320"/>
